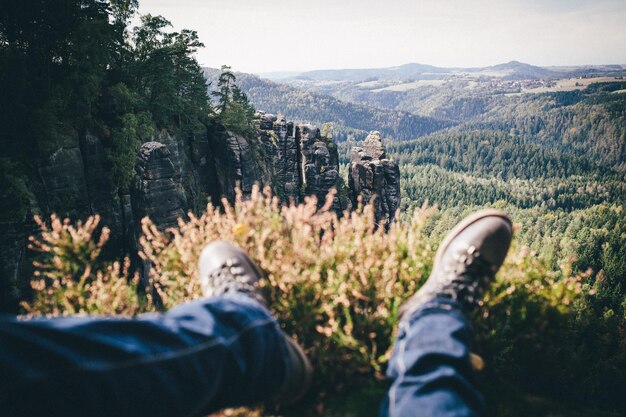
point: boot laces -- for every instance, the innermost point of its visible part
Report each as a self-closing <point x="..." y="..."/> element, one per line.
<point x="468" y="277"/>
<point x="231" y="276"/>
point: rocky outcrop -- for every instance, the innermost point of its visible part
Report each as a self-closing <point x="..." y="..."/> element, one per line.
<point x="201" y="179"/>
<point x="239" y="162"/>
<point x="372" y="176"/>
<point x="155" y="191"/>
<point x="320" y="165"/>
<point x="178" y="172"/>
<point x="282" y="148"/>
<point x="63" y="180"/>
<point x="303" y="162"/>
<point x="114" y="209"/>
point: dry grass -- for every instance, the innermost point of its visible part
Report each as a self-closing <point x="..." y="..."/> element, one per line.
<point x="69" y="277"/>
<point x="335" y="283"/>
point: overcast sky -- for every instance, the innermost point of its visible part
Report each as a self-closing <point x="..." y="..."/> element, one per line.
<point x="272" y="35"/>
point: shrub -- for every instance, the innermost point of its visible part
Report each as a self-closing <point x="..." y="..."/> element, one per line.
<point x="69" y="277"/>
<point x="336" y="283"/>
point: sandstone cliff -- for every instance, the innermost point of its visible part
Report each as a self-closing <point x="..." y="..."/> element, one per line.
<point x="372" y="176"/>
<point x="175" y="173"/>
<point x="302" y="162"/>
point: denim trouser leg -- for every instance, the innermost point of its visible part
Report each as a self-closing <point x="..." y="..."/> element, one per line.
<point x="196" y="358"/>
<point x="430" y="365"/>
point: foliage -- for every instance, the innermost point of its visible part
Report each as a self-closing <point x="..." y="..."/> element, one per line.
<point x="79" y="67"/>
<point x="586" y="346"/>
<point x="132" y="129"/>
<point x="336" y="283"/>
<point x="168" y="77"/>
<point x="69" y="277"/>
<point x="234" y="110"/>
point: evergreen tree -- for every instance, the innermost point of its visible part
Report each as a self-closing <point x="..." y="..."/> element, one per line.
<point x="233" y="107"/>
<point x="224" y="92"/>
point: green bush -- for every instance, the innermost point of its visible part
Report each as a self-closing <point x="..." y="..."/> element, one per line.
<point x="336" y="283"/>
<point x="70" y="278"/>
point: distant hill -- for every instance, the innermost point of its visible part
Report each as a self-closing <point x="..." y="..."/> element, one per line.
<point x="392" y="73"/>
<point x="278" y="75"/>
<point x="516" y="70"/>
<point x="513" y="70"/>
<point x="307" y="106"/>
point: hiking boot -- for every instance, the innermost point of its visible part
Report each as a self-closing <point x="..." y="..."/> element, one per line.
<point x="225" y="268"/>
<point x="466" y="261"/>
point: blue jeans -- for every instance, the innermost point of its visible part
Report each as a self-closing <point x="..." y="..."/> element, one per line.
<point x="197" y="358"/>
<point x="206" y="355"/>
<point x="430" y="366"/>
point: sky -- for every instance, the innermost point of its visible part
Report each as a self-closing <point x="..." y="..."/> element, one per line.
<point x="260" y="36"/>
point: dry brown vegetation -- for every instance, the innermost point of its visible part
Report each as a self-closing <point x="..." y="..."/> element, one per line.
<point x="335" y="283"/>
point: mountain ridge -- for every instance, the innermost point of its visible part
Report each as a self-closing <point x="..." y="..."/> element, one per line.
<point x="513" y="70"/>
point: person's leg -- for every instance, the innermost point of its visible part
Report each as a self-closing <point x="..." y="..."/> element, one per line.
<point x="197" y="358"/>
<point x="430" y="366"/>
<point x="221" y="351"/>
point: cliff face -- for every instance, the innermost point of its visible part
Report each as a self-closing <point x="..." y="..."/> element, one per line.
<point x="282" y="146"/>
<point x="320" y="165"/>
<point x="372" y="175"/>
<point x="302" y="162"/>
<point x="114" y="209"/>
<point x="239" y="162"/>
<point x="174" y="174"/>
<point x="156" y="191"/>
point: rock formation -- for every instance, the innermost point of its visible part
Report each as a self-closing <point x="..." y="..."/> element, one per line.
<point x="372" y="175"/>
<point x="155" y="191"/>
<point x="302" y="162"/>
<point x="320" y="165"/>
<point x="64" y="182"/>
<point x="176" y="173"/>
<point x="239" y="162"/>
<point x="282" y="147"/>
<point x="114" y="209"/>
